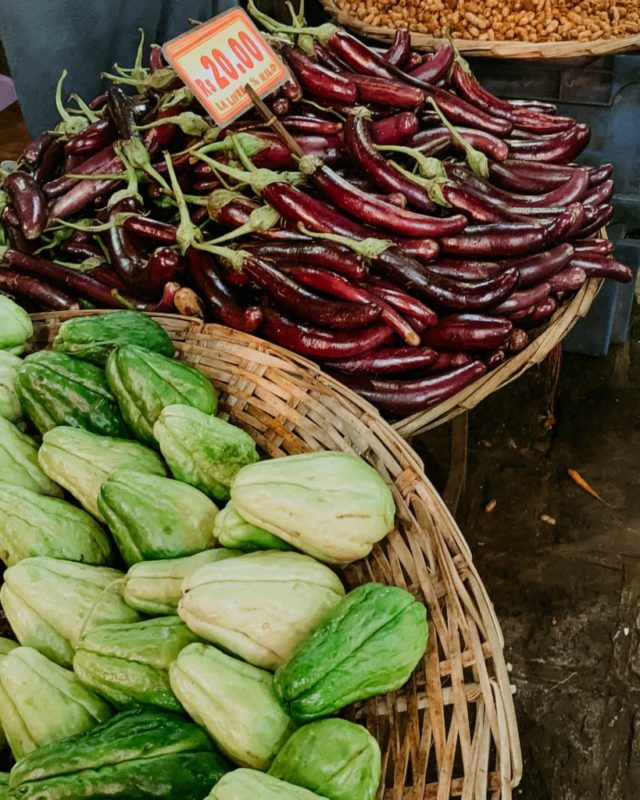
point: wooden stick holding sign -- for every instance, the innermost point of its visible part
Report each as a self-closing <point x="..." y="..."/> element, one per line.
<point x="273" y="122"/>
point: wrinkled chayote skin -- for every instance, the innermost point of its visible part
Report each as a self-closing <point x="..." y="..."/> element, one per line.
<point x="203" y="450"/>
<point x="10" y="407"/>
<point x="56" y="389"/>
<point x="145" y="382"/>
<point x="81" y="461"/>
<point x="51" y="603"/>
<point x="249" y="784"/>
<point x="234" y="701"/>
<point x="334" y="758"/>
<point x="94" y="337"/>
<point x="137" y="755"/>
<point x="40" y="702"/>
<point x="19" y="462"/>
<point x="128" y="664"/>
<point x="331" y="505"/>
<point x="32" y="524"/>
<point x="369" y="645"/>
<point x="155" y="587"/>
<point x="16" y="327"/>
<point x="230" y="530"/>
<point x="152" y="517"/>
<point x="260" y="606"/>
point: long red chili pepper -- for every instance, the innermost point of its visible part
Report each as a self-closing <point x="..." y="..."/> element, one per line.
<point x="318" y="80"/>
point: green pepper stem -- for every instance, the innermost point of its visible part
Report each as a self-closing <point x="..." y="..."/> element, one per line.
<point x="478" y="161"/>
<point x="365" y="248"/>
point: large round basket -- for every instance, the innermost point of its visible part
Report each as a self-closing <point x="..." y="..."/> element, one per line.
<point x="493" y="48"/>
<point x="451" y="731"/>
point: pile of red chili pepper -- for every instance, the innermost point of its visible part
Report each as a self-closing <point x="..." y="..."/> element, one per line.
<point x="416" y="232"/>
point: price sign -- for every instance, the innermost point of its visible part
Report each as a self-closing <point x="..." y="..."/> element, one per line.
<point x="217" y="59"/>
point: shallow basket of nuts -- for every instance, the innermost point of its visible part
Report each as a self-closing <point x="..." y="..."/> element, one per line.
<point x="500" y="28"/>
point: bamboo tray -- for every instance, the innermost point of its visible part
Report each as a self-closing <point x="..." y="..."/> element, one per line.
<point x="451" y="731"/>
<point x="494" y="49"/>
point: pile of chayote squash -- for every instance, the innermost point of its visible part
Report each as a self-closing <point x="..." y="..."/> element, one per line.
<point x="213" y="666"/>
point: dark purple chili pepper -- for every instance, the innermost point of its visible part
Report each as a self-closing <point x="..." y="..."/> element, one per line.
<point x="541" y="312"/>
<point x="602" y="193"/>
<point x="595" y="221"/>
<point x="81" y="250"/>
<point x="522" y="300"/>
<point x="460" y="112"/>
<point x="448" y="361"/>
<point x="127" y="261"/>
<point x="34" y="151"/>
<point x="500" y="239"/>
<point x="396" y="129"/>
<point x="472" y="296"/>
<point x="16" y="237"/>
<point x="356" y="54"/>
<point x="326" y="58"/>
<point x="121" y="112"/>
<point x="599" y="174"/>
<point x="334" y="257"/>
<point x="156" y="59"/>
<point x="378" y="91"/>
<point x="603" y="247"/>
<point x="104" y="160"/>
<point x="403" y="302"/>
<point x="29" y="203"/>
<point x="387" y="361"/>
<point x="518" y="340"/>
<point x="567" y="224"/>
<point x="28" y="288"/>
<point x="318" y="80"/>
<point x="542" y="266"/>
<point x="597" y="266"/>
<point x="469" y="332"/>
<point x="291" y="89"/>
<point x="51" y="160"/>
<point x="567" y="280"/>
<point x="163" y="266"/>
<point x="317" y="343"/>
<point x="467" y="269"/>
<point x="93" y="138"/>
<point x="400" y="49"/>
<point x="400" y="397"/>
<point x="560" y="148"/>
<point x="151" y="229"/>
<point x="485" y="142"/>
<point x="529" y="177"/>
<point x="434" y="67"/>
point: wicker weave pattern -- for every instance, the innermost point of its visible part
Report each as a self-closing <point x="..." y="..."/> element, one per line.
<point x="451" y="732"/>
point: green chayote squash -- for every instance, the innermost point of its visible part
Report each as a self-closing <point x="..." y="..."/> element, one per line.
<point x="332" y="757"/>
<point x="81" y="461"/>
<point x="295" y="595"/>
<point x="145" y="382"/>
<point x="137" y="755"/>
<point x="32" y="524"/>
<point x="4" y="786"/>
<point x="152" y="517"/>
<point x="15" y="325"/>
<point x="129" y="664"/>
<point x="19" y="462"/>
<point x="6" y="646"/>
<point x="51" y="603"/>
<point x="203" y="450"/>
<point x="369" y="645"/>
<point x="234" y="701"/>
<point x="41" y="702"/>
<point x="155" y="587"/>
<point x="56" y="389"/>
<point x="249" y="784"/>
<point x="234" y="532"/>
<point x="94" y="337"/>
<point x="331" y="505"/>
<point x="10" y="407"/>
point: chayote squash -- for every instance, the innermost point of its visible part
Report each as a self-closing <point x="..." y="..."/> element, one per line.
<point x="234" y="701"/>
<point x="370" y="645"/>
<point x="19" y="462"/>
<point x="234" y="532"/>
<point x="4" y="785"/>
<point x="155" y="587"/>
<point x="136" y="755"/>
<point x="145" y="382"/>
<point x="32" y="524"/>
<point x="296" y="594"/>
<point x="40" y="702"/>
<point x="6" y="646"/>
<point x="203" y="450"/>
<point x="152" y="517"/>
<point x="81" y="461"/>
<point x="331" y="505"/>
<point x="332" y="757"/>
<point x="10" y="407"/>
<point x="51" y="603"/>
<point x="129" y="664"/>
<point x="94" y="337"/>
<point x="15" y="325"/>
<point x="56" y="389"/>
<point x="249" y="784"/>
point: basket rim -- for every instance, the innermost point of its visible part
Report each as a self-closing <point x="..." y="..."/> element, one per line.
<point x="466" y="596"/>
<point x="493" y="48"/>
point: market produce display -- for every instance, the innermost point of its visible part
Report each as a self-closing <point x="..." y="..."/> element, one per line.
<point x="250" y="643"/>
<point x="411" y="233"/>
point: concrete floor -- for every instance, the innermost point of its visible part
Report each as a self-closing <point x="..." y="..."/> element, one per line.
<point x="567" y="594"/>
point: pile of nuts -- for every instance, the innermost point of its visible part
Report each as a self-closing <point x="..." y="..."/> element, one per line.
<point x="504" y="20"/>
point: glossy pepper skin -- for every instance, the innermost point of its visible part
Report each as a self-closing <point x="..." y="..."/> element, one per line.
<point x="369" y="645"/>
<point x="56" y="389"/>
<point x="94" y="337"/>
<point x="137" y="755"/>
<point x="145" y="382"/>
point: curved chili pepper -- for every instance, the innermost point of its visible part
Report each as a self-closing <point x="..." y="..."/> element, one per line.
<point x="334" y="257"/>
<point x="542" y="266"/>
<point x="448" y="361"/>
<point x="220" y="301"/>
<point x="601" y="246"/>
<point x="81" y="250"/>
<point x="396" y="129"/>
<point x="299" y="301"/>
<point x="102" y="161"/>
<point x="93" y="138"/>
<point x="291" y="89"/>
<point x="602" y="193"/>
<point x="400" y="50"/>
<point x="529" y="177"/>
<point x="523" y="299"/>
<point x="127" y="262"/>
<point x="434" y="68"/>
<point x="500" y="239"/>
<point x="318" y="80"/>
<point x="29" y="289"/>
<point x="387" y="361"/>
<point x="567" y="224"/>
<point x="357" y="55"/>
<point x="34" y="151"/>
<point x="51" y="160"/>
<point x="560" y="148"/>
<point x="156" y="59"/>
<point x="599" y="174"/>
<point x="317" y="343"/>
<point x="151" y="229"/>
<point x="163" y="266"/>
<point x="466" y="269"/>
<point x="567" y="280"/>
<point x="485" y="142"/>
<point x="327" y="58"/>
<point x="460" y="112"/>
<point x="472" y="296"/>
<point x="360" y="146"/>
<point x="401" y="397"/>
<point x="402" y="301"/>
<point x="28" y="201"/>
<point x="469" y="332"/>
<point x="385" y="91"/>
<point x="595" y="220"/>
<point x="597" y="266"/>
<point x="121" y="113"/>
<point x="541" y="312"/>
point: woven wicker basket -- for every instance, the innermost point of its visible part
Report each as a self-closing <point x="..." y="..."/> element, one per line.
<point x="451" y="732"/>
<point x="495" y="49"/>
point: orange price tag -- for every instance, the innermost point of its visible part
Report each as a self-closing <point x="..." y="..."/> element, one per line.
<point x="218" y="58"/>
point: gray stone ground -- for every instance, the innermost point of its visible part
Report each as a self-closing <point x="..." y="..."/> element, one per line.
<point x="567" y="594"/>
